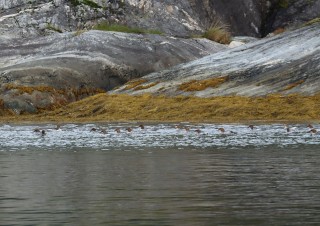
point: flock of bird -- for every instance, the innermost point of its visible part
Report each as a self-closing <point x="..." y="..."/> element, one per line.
<point x="222" y="130"/>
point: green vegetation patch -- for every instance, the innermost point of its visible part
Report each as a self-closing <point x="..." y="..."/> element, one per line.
<point x="53" y="28"/>
<point x="105" y="26"/>
<point x="75" y="2"/>
<point x="283" y="4"/>
<point x="90" y="3"/>
<point x="311" y="22"/>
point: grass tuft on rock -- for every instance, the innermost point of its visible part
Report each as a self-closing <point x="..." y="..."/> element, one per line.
<point x="218" y="32"/>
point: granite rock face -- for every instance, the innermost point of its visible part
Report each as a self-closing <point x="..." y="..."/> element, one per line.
<point x="24" y="18"/>
<point x="283" y="64"/>
<point x="89" y="60"/>
<point x="182" y="18"/>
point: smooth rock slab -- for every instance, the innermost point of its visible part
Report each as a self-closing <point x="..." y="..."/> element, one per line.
<point x="284" y="64"/>
<point x="93" y="59"/>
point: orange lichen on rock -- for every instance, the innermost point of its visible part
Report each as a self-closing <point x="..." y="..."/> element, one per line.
<point x="278" y="31"/>
<point x="199" y="85"/>
<point x="76" y="91"/>
<point x="141" y="87"/>
<point x="134" y="83"/>
<point x="292" y="85"/>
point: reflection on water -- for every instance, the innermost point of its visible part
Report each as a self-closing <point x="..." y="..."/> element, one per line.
<point x="159" y="176"/>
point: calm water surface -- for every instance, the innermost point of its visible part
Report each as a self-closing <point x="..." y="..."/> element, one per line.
<point x="159" y="176"/>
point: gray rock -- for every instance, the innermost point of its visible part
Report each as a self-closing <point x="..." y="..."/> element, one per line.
<point x="182" y="18"/>
<point x="284" y="64"/>
<point x="93" y="59"/>
<point x="292" y="14"/>
<point x="24" y="18"/>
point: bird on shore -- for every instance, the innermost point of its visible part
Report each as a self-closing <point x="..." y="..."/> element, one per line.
<point x="223" y="131"/>
<point x="129" y="129"/>
<point x="251" y="127"/>
<point x="141" y="126"/>
<point x="310" y="126"/>
<point x="93" y="130"/>
<point x="287" y="128"/>
<point x="103" y="131"/>
<point x="117" y="130"/>
<point x="43" y="133"/>
<point x="58" y="127"/>
<point x="313" y="131"/>
<point x="197" y="131"/>
<point x="36" y="130"/>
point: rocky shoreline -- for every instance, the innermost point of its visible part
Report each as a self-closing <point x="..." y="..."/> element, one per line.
<point x="51" y="56"/>
<point x="60" y="69"/>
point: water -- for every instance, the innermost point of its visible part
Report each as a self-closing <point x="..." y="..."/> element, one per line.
<point x="159" y="176"/>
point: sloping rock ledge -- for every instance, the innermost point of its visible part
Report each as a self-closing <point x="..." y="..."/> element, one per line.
<point x="48" y="72"/>
<point x="284" y="64"/>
